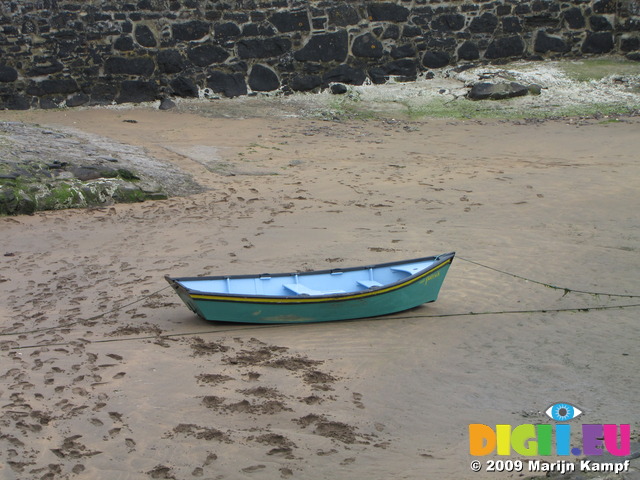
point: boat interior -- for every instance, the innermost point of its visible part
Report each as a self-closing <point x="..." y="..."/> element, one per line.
<point x="309" y="283"/>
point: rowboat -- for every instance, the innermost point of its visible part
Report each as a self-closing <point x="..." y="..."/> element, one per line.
<point x="316" y="296"/>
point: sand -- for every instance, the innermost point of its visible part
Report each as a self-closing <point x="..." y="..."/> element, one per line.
<point x="105" y="374"/>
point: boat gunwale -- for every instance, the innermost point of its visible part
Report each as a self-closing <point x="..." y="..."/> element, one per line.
<point x="442" y="260"/>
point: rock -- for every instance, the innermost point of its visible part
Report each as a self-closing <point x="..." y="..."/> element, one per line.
<point x="16" y="202"/>
<point x="86" y="172"/>
<point x="166" y="104"/>
<point x="601" y="42"/>
<point x="367" y="46"/>
<point x="205" y="55"/>
<point x="505" y="47"/>
<point x="387" y="12"/>
<point x="345" y="74"/>
<point x="263" y="48"/>
<point x="635" y="56"/>
<point x="8" y="74"/>
<point x="124" y="44"/>
<point x="305" y="83"/>
<point x="325" y="48"/>
<point x="435" y="59"/>
<point x="343" y="15"/>
<point x="468" y="51"/>
<point x="263" y="79"/>
<point x="449" y="22"/>
<point x="53" y="86"/>
<point x="573" y="18"/>
<point x="137" y="91"/>
<point x="145" y="37"/>
<point x="170" y="61"/>
<point x="545" y="43"/>
<point x="404" y="51"/>
<point x="485" y="23"/>
<point x="496" y="91"/>
<point x="184" y="87"/>
<point x="338" y="89"/>
<point x="193" y="30"/>
<point x="15" y="102"/>
<point x="143" y="66"/>
<point x="226" y="31"/>
<point x="290" y="21"/>
<point x="229" y="84"/>
<point x="405" y="68"/>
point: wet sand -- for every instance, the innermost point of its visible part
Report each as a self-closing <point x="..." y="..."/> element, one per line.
<point x="94" y="385"/>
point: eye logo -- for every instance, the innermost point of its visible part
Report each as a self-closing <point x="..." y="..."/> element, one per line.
<point x="563" y="412"/>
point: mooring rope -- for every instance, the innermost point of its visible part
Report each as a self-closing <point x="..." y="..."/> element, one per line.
<point x="548" y="285"/>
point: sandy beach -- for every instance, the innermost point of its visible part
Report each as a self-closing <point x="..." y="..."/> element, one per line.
<point x="105" y="374"/>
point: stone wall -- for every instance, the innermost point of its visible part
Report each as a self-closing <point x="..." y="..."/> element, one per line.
<point x="70" y="52"/>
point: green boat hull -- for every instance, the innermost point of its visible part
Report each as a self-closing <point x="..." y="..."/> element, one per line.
<point x="415" y="291"/>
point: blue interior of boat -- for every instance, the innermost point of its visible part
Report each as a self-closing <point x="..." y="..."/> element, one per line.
<point x="326" y="283"/>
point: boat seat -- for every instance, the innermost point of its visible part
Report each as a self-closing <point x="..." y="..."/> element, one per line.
<point x="300" y="289"/>
<point x="409" y="270"/>
<point x="369" y="283"/>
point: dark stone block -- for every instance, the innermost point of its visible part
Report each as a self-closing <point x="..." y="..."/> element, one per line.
<point x="325" y="48"/>
<point x="53" y="86"/>
<point x="574" y="18"/>
<point x="448" y="23"/>
<point x="436" y="59"/>
<point x="545" y="43"/>
<point x="633" y="56"/>
<point x="410" y="31"/>
<point x="511" y="25"/>
<point x="258" y="30"/>
<point x="343" y="15"/>
<point x="345" y="74"/>
<point x="263" y="79"/>
<point x="193" y="30"/>
<point x="601" y="42"/>
<point x="145" y="37"/>
<point x="15" y="102"/>
<point x="137" y="91"/>
<point x="339" y="89"/>
<point x="49" y="68"/>
<point x="505" y="47"/>
<point x="497" y="91"/>
<point x="225" y="31"/>
<point x="229" y="84"/>
<point x="170" y="61"/>
<point x="402" y="68"/>
<point x="291" y="21"/>
<point x="403" y="51"/>
<point x="485" y="23"/>
<point x="129" y="66"/>
<point x="378" y="75"/>
<point x="392" y="31"/>
<point x="124" y="44"/>
<point x="103" y="94"/>
<point x="263" y="48"/>
<point x="166" y="104"/>
<point x="605" y="6"/>
<point x="388" y="12"/>
<point x="599" y="24"/>
<point x="205" y="55"/>
<point x="468" y="51"/>
<point x="305" y="83"/>
<point x="629" y="44"/>
<point x="367" y="46"/>
<point x="8" y="74"/>
<point x="184" y="87"/>
<point x="78" y="100"/>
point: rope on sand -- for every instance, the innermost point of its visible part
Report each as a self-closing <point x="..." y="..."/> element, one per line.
<point x="548" y="285"/>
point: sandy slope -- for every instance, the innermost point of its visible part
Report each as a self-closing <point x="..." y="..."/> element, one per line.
<point x="101" y="388"/>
